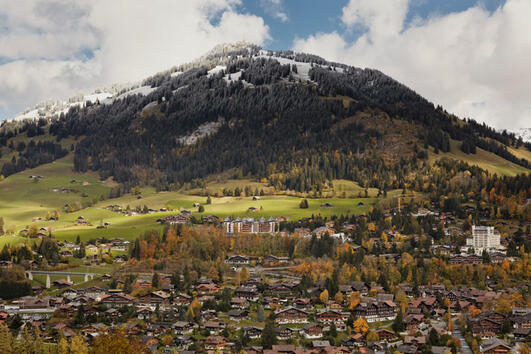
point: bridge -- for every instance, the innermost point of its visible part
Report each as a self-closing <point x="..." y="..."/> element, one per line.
<point x="29" y="275"/>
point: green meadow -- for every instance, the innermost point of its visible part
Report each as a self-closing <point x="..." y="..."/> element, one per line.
<point x="129" y="227"/>
<point x="23" y="200"/>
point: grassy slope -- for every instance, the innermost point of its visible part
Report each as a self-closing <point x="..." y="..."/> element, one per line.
<point x="217" y="185"/>
<point x="21" y="199"/>
<point x="40" y="197"/>
<point x="484" y="159"/>
<point x="521" y="153"/>
<point x="283" y="206"/>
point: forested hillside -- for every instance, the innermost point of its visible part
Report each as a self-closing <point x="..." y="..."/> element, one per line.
<point x="295" y="120"/>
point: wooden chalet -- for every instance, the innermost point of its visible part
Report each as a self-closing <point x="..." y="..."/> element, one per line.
<point x="376" y="311"/>
<point x="302" y="303"/>
<point x="239" y="303"/>
<point x="412" y="321"/>
<point x="248" y="292"/>
<point x="385" y="334"/>
<point x="487" y="323"/>
<point x="216" y="343"/>
<point x="253" y="332"/>
<point x="291" y="315"/>
<point x="284" y="333"/>
<point x="275" y="260"/>
<point x="144" y="313"/>
<point x="332" y="316"/>
<point x="312" y="331"/>
<point x="154" y="298"/>
<point x="117" y="300"/>
<point x="465" y="259"/>
<point x="283" y="289"/>
<point x="495" y="346"/>
<point x="214" y="327"/>
<point x="183" y="327"/>
<point x="182" y="218"/>
<point x="209" y="288"/>
<point x="237" y="260"/>
<point x="238" y="315"/>
<point x="182" y="299"/>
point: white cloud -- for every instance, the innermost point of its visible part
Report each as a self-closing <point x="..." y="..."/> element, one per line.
<point x="42" y="41"/>
<point x="275" y="8"/>
<point x="475" y="63"/>
<point x="382" y="18"/>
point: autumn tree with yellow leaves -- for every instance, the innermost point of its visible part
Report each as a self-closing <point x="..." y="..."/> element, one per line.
<point x="361" y="326"/>
<point x="117" y="342"/>
<point x="324" y="296"/>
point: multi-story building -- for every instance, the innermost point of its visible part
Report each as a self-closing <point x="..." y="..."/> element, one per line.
<point x="250" y="225"/>
<point x="484" y="238"/>
<point x="374" y="311"/>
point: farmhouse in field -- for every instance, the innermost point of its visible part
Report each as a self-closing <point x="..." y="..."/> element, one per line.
<point x="250" y="225"/>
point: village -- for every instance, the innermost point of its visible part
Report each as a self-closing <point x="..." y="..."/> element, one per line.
<point x="262" y="303"/>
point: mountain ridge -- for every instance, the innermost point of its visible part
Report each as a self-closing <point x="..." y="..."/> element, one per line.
<point x="292" y="118"/>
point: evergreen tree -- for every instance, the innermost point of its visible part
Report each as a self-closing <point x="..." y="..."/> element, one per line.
<point x="506" y="326"/>
<point x="79" y="318"/>
<point x="486" y="257"/>
<point x="135" y="253"/>
<point x="269" y="337"/>
<point x="333" y="330"/>
<point x="155" y="280"/>
<point x="260" y="313"/>
<point x="176" y="282"/>
<point x="398" y="323"/>
<point x="433" y="337"/>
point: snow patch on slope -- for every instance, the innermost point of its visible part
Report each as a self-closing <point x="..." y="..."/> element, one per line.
<point x="48" y="109"/>
<point x="233" y="77"/>
<point x="204" y="130"/>
<point x="179" y="89"/>
<point x="142" y="90"/>
<point x="216" y="70"/>
<point x="303" y="69"/>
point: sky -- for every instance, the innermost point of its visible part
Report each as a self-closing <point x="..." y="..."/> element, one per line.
<point x="470" y="56"/>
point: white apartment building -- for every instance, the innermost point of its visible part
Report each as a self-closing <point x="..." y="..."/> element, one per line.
<point x="484" y="238"/>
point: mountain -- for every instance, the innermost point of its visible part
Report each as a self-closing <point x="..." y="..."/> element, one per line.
<point x="293" y="119"/>
<point x="524" y="133"/>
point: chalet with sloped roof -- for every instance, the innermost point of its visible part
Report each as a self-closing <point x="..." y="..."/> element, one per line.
<point x="332" y="316"/>
<point x="291" y="315"/>
<point x="117" y="300"/>
<point x="375" y="311"/>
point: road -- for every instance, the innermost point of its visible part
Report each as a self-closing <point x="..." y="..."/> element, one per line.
<point x="465" y="349"/>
